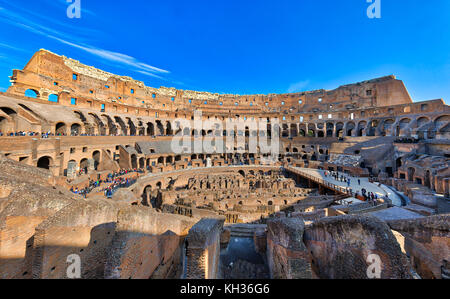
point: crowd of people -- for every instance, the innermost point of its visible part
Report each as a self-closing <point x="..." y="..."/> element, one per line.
<point x="50" y="134"/>
<point x="114" y="181"/>
<point x="344" y="178"/>
<point x="43" y="135"/>
<point x="19" y="134"/>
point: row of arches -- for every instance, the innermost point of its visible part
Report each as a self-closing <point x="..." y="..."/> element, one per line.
<point x="105" y="124"/>
<point x="375" y="127"/>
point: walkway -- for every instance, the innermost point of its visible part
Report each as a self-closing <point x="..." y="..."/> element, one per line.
<point x="319" y="176"/>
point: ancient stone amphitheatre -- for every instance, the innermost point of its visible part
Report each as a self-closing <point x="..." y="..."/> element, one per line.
<point x="104" y="177"/>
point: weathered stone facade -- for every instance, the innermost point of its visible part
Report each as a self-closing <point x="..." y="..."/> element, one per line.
<point x="65" y="125"/>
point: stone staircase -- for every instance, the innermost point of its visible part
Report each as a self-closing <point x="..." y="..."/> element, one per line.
<point x="245" y="230"/>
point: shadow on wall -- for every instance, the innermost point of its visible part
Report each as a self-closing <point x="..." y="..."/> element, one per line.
<point x="108" y="254"/>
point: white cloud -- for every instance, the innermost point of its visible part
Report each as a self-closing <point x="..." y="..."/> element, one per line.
<point x="299" y="86"/>
<point x="126" y="60"/>
<point x="114" y="56"/>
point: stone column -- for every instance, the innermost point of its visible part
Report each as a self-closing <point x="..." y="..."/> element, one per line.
<point x="72" y="170"/>
<point x="287" y="255"/>
<point x="91" y="165"/>
<point x="203" y="249"/>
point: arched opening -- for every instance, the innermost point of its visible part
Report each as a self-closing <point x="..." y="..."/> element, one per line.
<point x="96" y="156"/>
<point x="442" y="125"/>
<point x="84" y="164"/>
<point x="133" y="161"/>
<point x="53" y="98"/>
<point x="122" y="125"/>
<point x="100" y="126"/>
<point x="60" y="129"/>
<point x="146" y="197"/>
<point x="150" y="129"/>
<point x="427" y="182"/>
<point x="302" y="133"/>
<point x="160" y="128"/>
<point x="242" y="173"/>
<point x="8" y="111"/>
<point x="75" y="130"/>
<point x="169" y="130"/>
<point x="411" y="172"/>
<point x="350" y="128"/>
<point x="320" y="134"/>
<point x="142" y="163"/>
<point x="398" y="163"/>
<point x="132" y="127"/>
<point x="44" y="162"/>
<point x="111" y="125"/>
<point x="388" y="126"/>
<point x="294" y="131"/>
<point x="31" y="93"/>
<point x="340" y="130"/>
<point x="372" y="128"/>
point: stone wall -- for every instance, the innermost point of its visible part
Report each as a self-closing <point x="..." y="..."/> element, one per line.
<point x="341" y="247"/>
<point x="203" y="249"/>
<point x="147" y="245"/>
<point x="287" y="255"/>
<point x="83" y="228"/>
<point x="427" y="243"/>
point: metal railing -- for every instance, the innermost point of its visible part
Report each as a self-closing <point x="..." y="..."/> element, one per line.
<point x="340" y="189"/>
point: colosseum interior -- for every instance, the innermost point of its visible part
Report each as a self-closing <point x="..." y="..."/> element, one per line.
<point x="90" y="169"/>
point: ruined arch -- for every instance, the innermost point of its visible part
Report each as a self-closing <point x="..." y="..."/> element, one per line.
<point x="61" y="128"/>
<point x="75" y="129"/>
<point x="84" y="165"/>
<point x="361" y="127"/>
<point x="132" y="126"/>
<point x="100" y="126"/>
<point x="54" y="98"/>
<point x="111" y="125"/>
<point x="96" y="155"/>
<point x="339" y="130"/>
<point x="8" y="111"/>
<point x="45" y="162"/>
<point x="122" y="125"/>
<point x="350" y="127"/>
<point x="159" y="128"/>
<point x="32" y="93"/>
<point x="150" y="129"/>
<point x="133" y="161"/>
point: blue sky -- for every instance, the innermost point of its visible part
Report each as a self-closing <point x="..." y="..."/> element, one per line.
<point x="239" y="47"/>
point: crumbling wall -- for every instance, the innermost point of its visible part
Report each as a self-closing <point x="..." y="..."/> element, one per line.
<point x="27" y="201"/>
<point x="287" y="255"/>
<point x="427" y="243"/>
<point x="343" y="248"/>
<point x="203" y="249"/>
<point x="147" y="245"/>
<point x="82" y="228"/>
